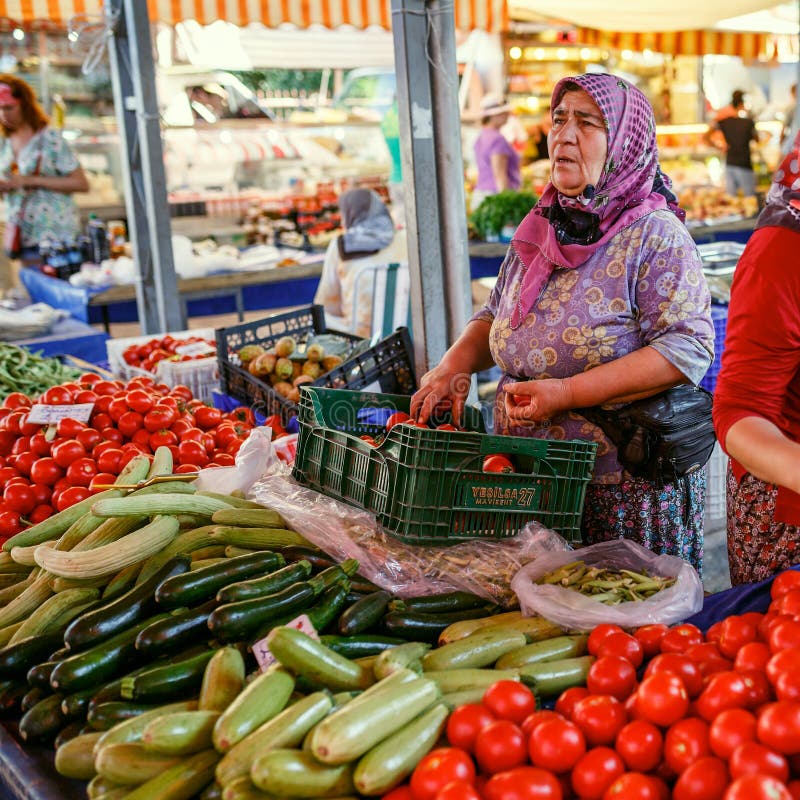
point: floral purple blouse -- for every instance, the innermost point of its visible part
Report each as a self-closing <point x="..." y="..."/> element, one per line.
<point x="645" y="287"/>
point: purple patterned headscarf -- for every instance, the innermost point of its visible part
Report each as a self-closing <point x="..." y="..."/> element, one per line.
<point x="565" y="231"/>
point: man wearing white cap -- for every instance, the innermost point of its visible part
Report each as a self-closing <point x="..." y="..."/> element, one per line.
<point x="498" y="162"/>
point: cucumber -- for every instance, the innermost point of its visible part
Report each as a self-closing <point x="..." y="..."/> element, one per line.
<point x="360" y="645"/>
<point x="389" y="762"/>
<point x="184" y="543"/>
<point x="122" y="582"/>
<point x="223" y="679"/>
<point x="407" y="655"/>
<point x="237" y="621"/>
<point x="181" y="781"/>
<point x="130" y="762"/>
<point x="547" y="650"/>
<point x="42" y="722"/>
<point x="426" y="627"/>
<point x="199" y="585"/>
<point x="104" y="716"/>
<point x="236" y="502"/>
<point x="550" y="678"/>
<point x="261" y="700"/>
<point x="100" y="663"/>
<point x="16" y="659"/>
<point x="441" y="603"/>
<point x="175" y="631"/>
<point x="268" y="584"/>
<point x="130" y="730"/>
<point x="39" y="674"/>
<point x="156" y="504"/>
<point x="248" y="517"/>
<point x="127" y="609"/>
<point x="167" y="683"/>
<point x="364" y="614"/>
<point x="287" y="729"/>
<point x="75" y="759"/>
<point x="294" y="773"/>
<point x="358" y="726"/>
<point x="180" y="733"/>
<point x="479" y="650"/>
<point x="316" y="662"/>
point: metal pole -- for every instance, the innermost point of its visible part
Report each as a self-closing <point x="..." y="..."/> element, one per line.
<point x="133" y="79"/>
<point x="430" y="136"/>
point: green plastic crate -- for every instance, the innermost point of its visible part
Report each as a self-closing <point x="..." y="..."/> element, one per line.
<point x="427" y="486"/>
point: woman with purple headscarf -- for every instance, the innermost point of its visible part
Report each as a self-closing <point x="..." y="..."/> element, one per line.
<point x="601" y="300"/>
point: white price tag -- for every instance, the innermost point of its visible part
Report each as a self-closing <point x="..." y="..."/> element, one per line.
<point x="261" y="648"/>
<point x="41" y="414"/>
<point x="195" y="349"/>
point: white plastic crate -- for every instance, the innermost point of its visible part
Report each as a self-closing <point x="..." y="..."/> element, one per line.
<point x="200" y="375"/>
<point x="716" y="481"/>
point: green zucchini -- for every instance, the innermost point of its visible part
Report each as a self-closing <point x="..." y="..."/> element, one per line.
<point x="461" y="679"/>
<point x="199" y="585"/>
<point x="130" y="762"/>
<point x="69" y="731"/>
<point x="167" y="683"/>
<point x="11" y="696"/>
<point x="127" y="609"/>
<point x="180" y="733"/>
<point x="183" y="780"/>
<point x="242" y="788"/>
<point x="298" y="552"/>
<point x="360" y="645"/>
<point x="31" y="697"/>
<point x="364" y="614"/>
<point x="16" y="659"/>
<point x="550" y="678"/>
<point x="547" y="650"/>
<point x="175" y="631"/>
<point x="99" y="663"/>
<point x="339" y="572"/>
<point x="75" y="759"/>
<point x="481" y="649"/>
<point x="39" y="674"/>
<point x="42" y="722"/>
<point x="236" y="621"/>
<point x="76" y="705"/>
<point x="419" y="626"/>
<point x="407" y="655"/>
<point x="104" y="716"/>
<point x="328" y="607"/>
<point x="294" y="773"/>
<point x="100" y="787"/>
<point x="130" y="729"/>
<point x="439" y="603"/>
<point x="223" y="679"/>
<point x="268" y="584"/>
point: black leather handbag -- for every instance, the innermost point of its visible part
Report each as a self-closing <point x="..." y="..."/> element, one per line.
<point x="661" y="438"/>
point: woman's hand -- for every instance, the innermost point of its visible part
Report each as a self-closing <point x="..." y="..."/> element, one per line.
<point x="437" y="387"/>
<point x="535" y="401"/>
<point x="12" y="183"/>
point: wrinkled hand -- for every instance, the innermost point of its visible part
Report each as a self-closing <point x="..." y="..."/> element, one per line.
<point x="439" y="385"/>
<point x="528" y="402"/>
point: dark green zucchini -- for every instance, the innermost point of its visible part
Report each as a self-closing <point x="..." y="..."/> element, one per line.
<point x="297" y="552"/>
<point x="16" y="659"/>
<point x="100" y="663"/>
<point x="175" y="632"/>
<point x="69" y="731"/>
<point x="326" y="610"/>
<point x="236" y="621"/>
<point x="39" y="674"/>
<point x="364" y="614"/>
<point x="362" y="585"/>
<point x="105" y="716"/>
<point x="339" y="572"/>
<point x="42" y="722"/>
<point x="268" y="584"/>
<point x="426" y="627"/>
<point x="440" y="603"/>
<point x="32" y="697"/>
<point x="61" y="654"/>
<point x="77" y="704"/>
<point x="360" y="645"/>
<point x="201" y="584"/>
<point x="102" y="623"/>
<point x="167" y="683"/>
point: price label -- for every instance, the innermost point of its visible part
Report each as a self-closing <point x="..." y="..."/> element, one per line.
<point x="41" y="414"/>
<point x="195" y="349"/>
<point x="261" y="648"/>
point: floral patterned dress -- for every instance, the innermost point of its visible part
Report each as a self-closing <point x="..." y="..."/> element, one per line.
<point x="645" y="287"/>
<point x="45" y="213"/>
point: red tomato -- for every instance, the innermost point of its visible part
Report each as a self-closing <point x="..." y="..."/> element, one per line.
<point x="532" y="721"/>
<point x="142" y="438"/>
<point x="457" y="790"/>
<point x="523" y="783"/>
<point x="46" y="471"/>
<point x="139" y="400"/>
<point x="779" y="727"/>
<point x="131" y="422"/>
<point x="85" y="396"/>
<point x="509" y="699"/>
<point x="66" y="451"/>
<point x="757" y="787"/>
<point x="753" y="655"/>
<point x="17" y="400"/>
<point x="724" y="690"/>
<point x="18" y="497"/>
<point x="787" y="686"/>
<point x="600" y="717"/>
<point x="497" y="463"/>
<point x="729" y="729"/>
<point x="500" y="746"/>
<point x="677" y="639"/>
<point x="649" y="637"/>
<point x="634" y="786"/>
<point x="565" y="705"/>
<point x="681" y="665"/>
<point x="102" y="421"/>
<point x="400" y="793"/>
<point x="685" y="742"/>
<point x="41" y="513"/>
<point x="103" y="479"/>
<point x="440" y="767"/>
<point x="751" y="758"/>
<point x="785" y="633"/>
<point x="787" y="603"/>
<point x="186" y="468"/>
<point x="10" y="523"/>
<point x="69" y="428"/>
<point x="41" y="492"/>
<point x="162" y="438"/>
<point x="640" y="745"/>
<point x="557" y="745"/>
<point x="783" y="582"/>
<point x="192" y="452"/>
<point x="705" y="779"/>
<point x="24" y="463"/>
<point x="89" y="438"/>
<point x="57" y="396"/>
<point x="622" y="645"/>
<point x="662" y="699"/>
<point x="784" y="661"/>
<point x="71" y="496"/>
<point x="117" y="408"/>
<point x="81" y="471"/>
<point x="759" y="690"/>
<point x="109" y="460"/>
<point x="207" y="418"/>
<point x="612" y="675"/>
<point x="595" y="772"/>
<point x="598" y="634"/>
<point x="160" y="416"/>
<point x="794" y="789"/>
<point x="394" y="419"/>
<point x="464" y="724"/>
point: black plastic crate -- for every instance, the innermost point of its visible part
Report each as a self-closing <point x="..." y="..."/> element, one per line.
<point x="387" y="366"/>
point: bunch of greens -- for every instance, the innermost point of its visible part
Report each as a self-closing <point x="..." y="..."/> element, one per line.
<point x="508" y="207"/>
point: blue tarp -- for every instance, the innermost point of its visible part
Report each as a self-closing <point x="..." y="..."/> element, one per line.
<point x="70" y="337"/>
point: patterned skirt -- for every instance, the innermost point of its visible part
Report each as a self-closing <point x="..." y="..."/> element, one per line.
<point x="758" y="547"/>
<point x="667" y="520"/>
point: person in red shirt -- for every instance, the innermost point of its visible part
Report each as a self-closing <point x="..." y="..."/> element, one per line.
<point x="757" y="395"/>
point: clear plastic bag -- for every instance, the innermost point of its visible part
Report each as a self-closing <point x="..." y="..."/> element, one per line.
<point x="576" y="611"/>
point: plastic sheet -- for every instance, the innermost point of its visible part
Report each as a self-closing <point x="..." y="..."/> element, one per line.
<point x="576" y="611"/>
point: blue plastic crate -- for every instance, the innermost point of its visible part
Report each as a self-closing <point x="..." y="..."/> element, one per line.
<point x="719" y="315"/>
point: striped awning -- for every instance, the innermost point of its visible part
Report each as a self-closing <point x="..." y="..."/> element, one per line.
<point x="486" y="15"/>
<point x="748" y="46"/>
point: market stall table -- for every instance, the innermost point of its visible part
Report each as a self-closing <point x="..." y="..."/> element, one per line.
<point x="69" y="337"/>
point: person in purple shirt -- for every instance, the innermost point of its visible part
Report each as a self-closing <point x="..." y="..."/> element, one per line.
<point x="497" y="160"/>
<point x="601" y="300"/>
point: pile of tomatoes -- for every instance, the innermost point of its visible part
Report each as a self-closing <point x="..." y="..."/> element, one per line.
<point x="665" y="713"/>
<point x="147" y="354"/>
<point x="44" y="469"/>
